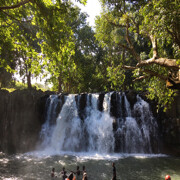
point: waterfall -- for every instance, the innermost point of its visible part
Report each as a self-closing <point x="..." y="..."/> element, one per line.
<point x="80" y="126"/>
<point x="67" y="132"/>
<point x="48" y="126"/>
<point x="99" y="128"/>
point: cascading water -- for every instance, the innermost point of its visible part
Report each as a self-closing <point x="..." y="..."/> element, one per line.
<point x="99" y="128"/>
<point x="81" y="126"/>
<point x="48" y="126"/>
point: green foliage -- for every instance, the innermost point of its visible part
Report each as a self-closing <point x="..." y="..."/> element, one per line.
<point x="161" y="17"/>
<point x="116" y="77"/>
<point x="15" y="86"/>
<point x="39" y="35"/>
<point x="52" y="39"/>
<point x="158" y="91"/>
<point x="127" y="25"/>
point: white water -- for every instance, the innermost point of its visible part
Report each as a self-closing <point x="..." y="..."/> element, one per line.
<point x="99" y="128"/>
<point x="94" y="134"/>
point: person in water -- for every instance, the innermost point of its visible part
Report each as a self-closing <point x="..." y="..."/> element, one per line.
<point x="114" y="171"/>
<point x="84" y="173"/>
<point x="167" y="177"/>
<point x="85" y="176"/>
<point x="84" y="170"/>
<point x="63" y="174"/>
<point x="77" y="173"/>
<point x="70" y="177"/>
<point x="53" y="173"/>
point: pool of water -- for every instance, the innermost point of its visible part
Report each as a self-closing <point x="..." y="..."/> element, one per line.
<point x="38" y="165"/>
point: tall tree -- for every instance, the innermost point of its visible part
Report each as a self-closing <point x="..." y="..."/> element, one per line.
<point x="136" y="25"/>
<point x="50" y="19"/>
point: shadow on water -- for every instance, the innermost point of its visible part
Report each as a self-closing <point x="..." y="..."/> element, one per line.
<point x="128" y="168"/>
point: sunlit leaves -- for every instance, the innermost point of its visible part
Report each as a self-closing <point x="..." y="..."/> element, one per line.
<point x="162" y="18"/>
<point x="129" y="25"/>
<point x="116" y="77"/>
<point x="165" y="96"/>
<point x="40" y="35"/>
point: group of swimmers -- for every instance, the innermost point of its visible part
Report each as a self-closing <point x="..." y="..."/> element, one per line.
<point x="73" y="175"/>
<point x="76" y="175"/>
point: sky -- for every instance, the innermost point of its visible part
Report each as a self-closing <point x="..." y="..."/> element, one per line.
<point x="92" y="8"/>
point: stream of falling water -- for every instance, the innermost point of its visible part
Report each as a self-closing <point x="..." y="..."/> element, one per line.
<point x="94" y="133"/>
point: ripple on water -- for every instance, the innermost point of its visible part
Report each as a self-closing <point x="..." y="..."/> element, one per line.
<point x="38" y="165"/>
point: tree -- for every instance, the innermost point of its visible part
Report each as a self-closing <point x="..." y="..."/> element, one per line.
<point x="86" y="77"/>
<point x="28" y="20"/>
<point x="136" y="25"/>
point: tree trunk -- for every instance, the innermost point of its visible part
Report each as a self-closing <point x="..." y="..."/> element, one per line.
<point x="28" y="76"/>
<point x="59" y="84"/>
<point x="123" y="60"/>
<point x="29" y="80"/>
<point x="154" y="46"/>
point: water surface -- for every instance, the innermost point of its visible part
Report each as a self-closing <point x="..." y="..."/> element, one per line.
<point x="38" y="165"/>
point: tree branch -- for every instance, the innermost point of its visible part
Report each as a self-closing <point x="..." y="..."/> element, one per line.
<point x="168" y="63"/>
<point x="113" y="23"/>
<point x="132" y="50"/>
<point x="16" y="5"/>
<point x="140" y="78"/>
<point x="13" y="17"/>
<point x="152" y="73"/>
<point x="129" y="67"/>
<point x="154" y="46"/>
<point x="124" y="47"/>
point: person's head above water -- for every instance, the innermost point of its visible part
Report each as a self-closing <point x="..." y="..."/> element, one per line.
<point x="167" y="177"/>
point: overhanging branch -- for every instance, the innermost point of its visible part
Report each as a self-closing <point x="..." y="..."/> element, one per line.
<point x="168" y="63"/>
<point x="129" y="67"/>
<point x="152" y="73"/>
<point x="141" y="77"/>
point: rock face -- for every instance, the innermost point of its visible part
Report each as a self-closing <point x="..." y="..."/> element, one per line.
<point x="169" y="123"/>
<point x="21" y="117"/>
